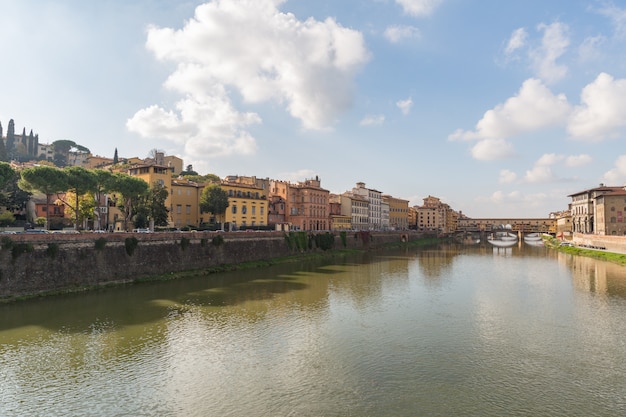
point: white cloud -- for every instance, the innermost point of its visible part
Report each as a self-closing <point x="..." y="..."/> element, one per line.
<point x="516" y="41"/>
<point x="617" y="175"/>
<point x="204" y="123"/>
<point x="419" y="7"/>
<point x="372" y="120"/>
<point x="617" y="17"/>
<point x="405" y="105"/>
<point x="492" y="149"/>
<point x="533" y="108"/>
<point x="553" y="45"/>
<point x="507" y="177"/>
<point x="575" y="161"/>
<point x="549" y="159"/>
<point x="590" y="49"/>
<point x="307" y="66"/>
<point x="297" y="176"/>
<point x="602" y="113"/>
<point x="540" y="174"/>
<point x="397" y="33"/>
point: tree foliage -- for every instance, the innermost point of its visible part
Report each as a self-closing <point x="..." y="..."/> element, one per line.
<point x="45" y="179"/>
<point x="132" y="190"/>
<point x="152" y="207"/>
<point x="80" y="181"/>
<point x="214" y="200"/>
<point x="6" y="172"/>
<point x="11" y="196"/>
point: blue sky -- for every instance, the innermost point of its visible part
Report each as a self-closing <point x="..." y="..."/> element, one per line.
<point x="499" y="108"/>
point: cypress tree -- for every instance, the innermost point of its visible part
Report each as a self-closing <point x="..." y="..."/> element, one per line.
<point x="31" y="141"/>
<point x="4" y="157"/>
<point x="115" y="157"/>
<point x="10" y="142"/>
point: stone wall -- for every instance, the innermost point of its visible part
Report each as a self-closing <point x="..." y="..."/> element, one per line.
<point x="33" y="264"/>
<point x="615" y="244"/>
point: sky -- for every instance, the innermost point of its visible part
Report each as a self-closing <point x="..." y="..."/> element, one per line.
<point x="499" y="108"/>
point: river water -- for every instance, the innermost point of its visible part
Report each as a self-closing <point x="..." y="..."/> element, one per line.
<point x="441" y="331"/>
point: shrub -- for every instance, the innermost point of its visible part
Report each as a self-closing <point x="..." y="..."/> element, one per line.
<point x="343" y="235"/>
<point x="184" y="243"/>
<point x="53" y="250"/>
<point x="20" y="248"/>
<point x="325" y="241"/>
<point x="131" y="244"/>
<point x="7" y="243"/>
<point x="100" y="243"/>
<point x="217" y="240"/>
<point x="7" y="218"/>
<point x="203" y="242"/>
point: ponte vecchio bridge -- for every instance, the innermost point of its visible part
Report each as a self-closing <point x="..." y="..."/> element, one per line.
<point x="520" y="226"/>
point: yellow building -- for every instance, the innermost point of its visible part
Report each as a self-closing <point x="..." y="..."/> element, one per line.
<point x="398" y="212"/>
<point x="185" y="203"/>
<point x="155" y="174"/>
<point x="247" y="205"/>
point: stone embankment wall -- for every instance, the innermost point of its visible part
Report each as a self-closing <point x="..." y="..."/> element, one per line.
<point x="615" y="244"/>
<point x="34" y="264"/>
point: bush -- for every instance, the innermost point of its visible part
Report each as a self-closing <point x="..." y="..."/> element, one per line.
<point x="343" y="235"/>
<point x="53" y="250"/>
<point x="7" y="243"/>
<point x="131" y="244"/>
<point x="184" y="243"/>
<point x="217" y="240"/>
<point x="100" y="243"/>
<point x="20" y="248"/>
<point x="7" y="218"/>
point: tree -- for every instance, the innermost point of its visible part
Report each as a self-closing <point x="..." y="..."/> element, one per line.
<point x="152" y="207"/>
<point x="84" y="208"/>
<point x="104" y="181"/>
<point x="45" y="179"/>
<point x="4" y="156"/>
<point x="116" y="159"/>
<point x="214" y="200"/>
<point x="131" y="189"/>
<point x="189" y="171"/>
<point x="11" y="196"/>
<point x="10" y="143"/>
<point x="6" y="173"/>
<point x="80" y="181"/>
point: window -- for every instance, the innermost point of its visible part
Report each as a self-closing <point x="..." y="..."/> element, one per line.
<point x="253" y="210"/>
<point x="179" y="208"/>
<point x="234" y="210"/>
<point x="262" y="210"/>
<point x="244" y="209"/>
<point x="188" y="208"/>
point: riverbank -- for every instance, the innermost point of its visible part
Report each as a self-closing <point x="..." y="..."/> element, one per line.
<point x="600" y="254"/>
<point x="43" y="265"/>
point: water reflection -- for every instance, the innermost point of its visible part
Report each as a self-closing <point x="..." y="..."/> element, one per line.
<point x="602" y="278"/>
<point x="454" y="330"/>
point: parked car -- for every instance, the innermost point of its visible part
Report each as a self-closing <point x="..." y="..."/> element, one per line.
<point x="142" y="231"/>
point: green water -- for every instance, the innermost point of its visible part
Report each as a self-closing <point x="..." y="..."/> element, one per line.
<point x="447" y="331"/>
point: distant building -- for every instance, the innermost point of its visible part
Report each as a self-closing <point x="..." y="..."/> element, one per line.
<point x="583" y="208"/>
<point x="398" y="212"/>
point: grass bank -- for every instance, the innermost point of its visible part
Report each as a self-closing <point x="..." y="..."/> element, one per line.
<point x="602" y="255"/>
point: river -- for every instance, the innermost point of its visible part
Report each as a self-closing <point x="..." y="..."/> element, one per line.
<point x="444" y="331"/>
